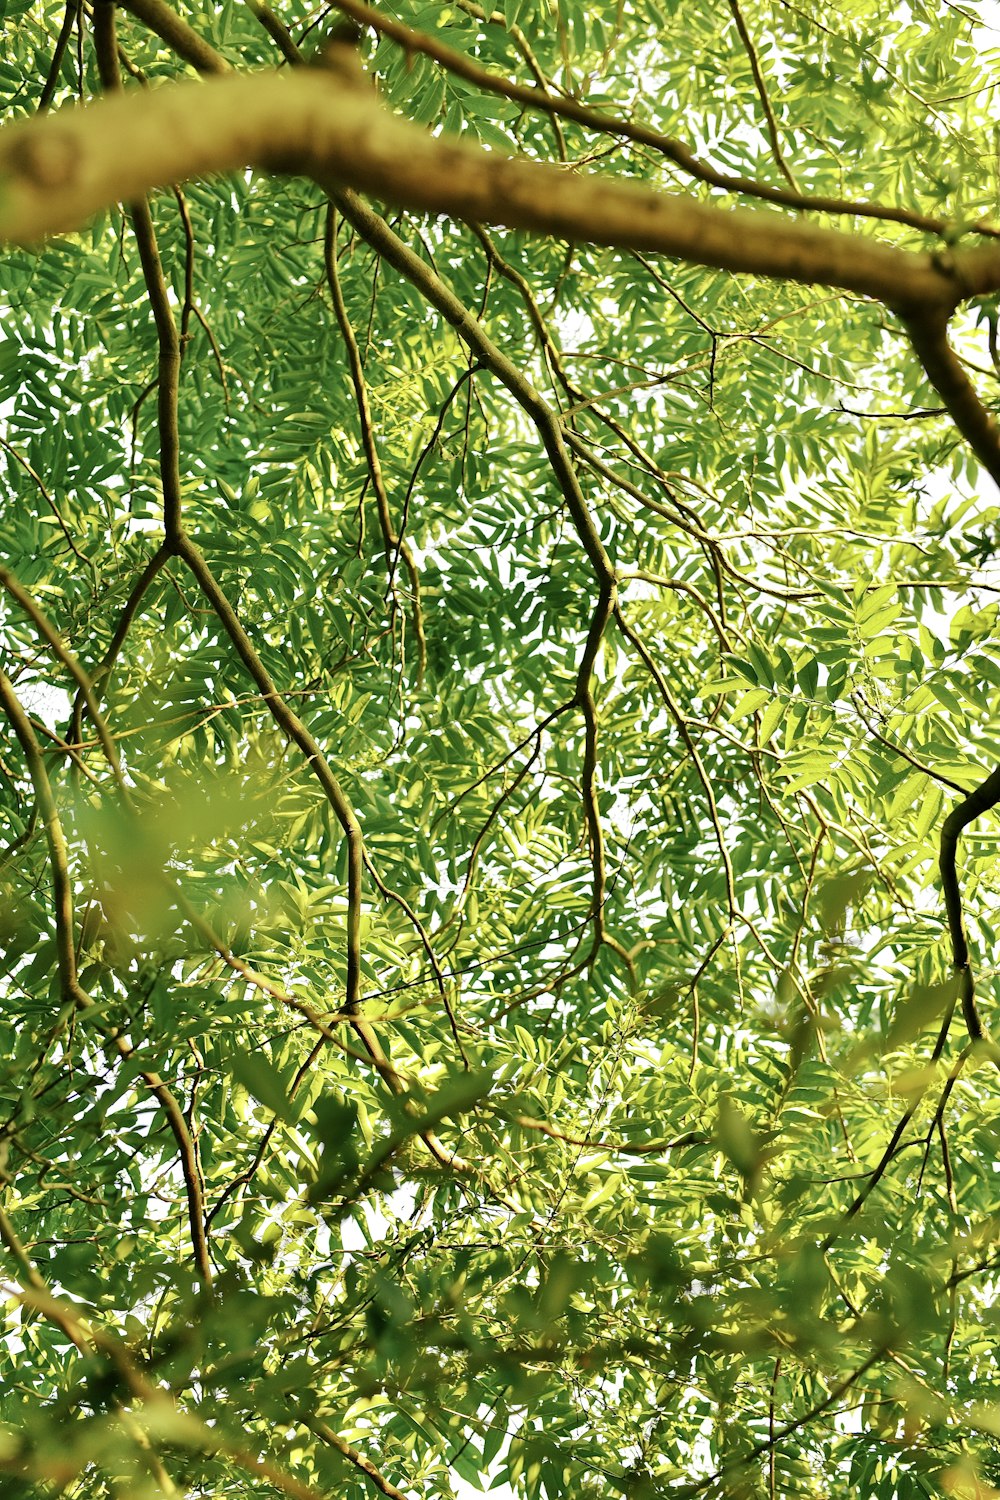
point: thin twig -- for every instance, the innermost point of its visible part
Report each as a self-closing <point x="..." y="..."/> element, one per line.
<point x="394" y="542"/>
<point x="762" y="94"/>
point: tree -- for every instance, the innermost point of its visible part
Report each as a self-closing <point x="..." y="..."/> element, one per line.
<point x="498" y="663"/>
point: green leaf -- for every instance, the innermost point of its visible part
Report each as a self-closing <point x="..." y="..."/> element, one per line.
<point x="261" y="1079"/>
<point x="472" y="955"/>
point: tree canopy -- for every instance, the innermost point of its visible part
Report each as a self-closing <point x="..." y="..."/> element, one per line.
<point x="499" y="681"/>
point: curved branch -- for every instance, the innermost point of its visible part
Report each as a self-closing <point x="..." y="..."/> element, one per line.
<point x="372" y="227"/>
<point x="550" y="429"/>
<point x="50" y="502"/>
<point x="293" y="727"/>
<point x="75" y="995"/>
<point x="57" y="171"/>
<point x="979" y="800"/>
<point x="928" y="335"/>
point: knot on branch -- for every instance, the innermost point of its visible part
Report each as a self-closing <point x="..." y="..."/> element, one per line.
<point x="48" y="161"/>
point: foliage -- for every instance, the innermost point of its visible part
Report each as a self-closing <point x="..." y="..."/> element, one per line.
<point x="642" y="1167"/>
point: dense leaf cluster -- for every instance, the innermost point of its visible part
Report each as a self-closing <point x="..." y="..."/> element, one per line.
<point x="633" y="1158"/>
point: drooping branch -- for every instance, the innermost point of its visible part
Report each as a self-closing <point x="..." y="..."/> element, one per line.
<point x="394" y="542"/>
<point x="167" y="338"/>
<point x="72" y="992"/>
<point x="928" y="335"/>
<point x="983" y="797"/>
<point x="550" y="429"/>
<point x="57" y="171"/>
<point x="290" y="723"/>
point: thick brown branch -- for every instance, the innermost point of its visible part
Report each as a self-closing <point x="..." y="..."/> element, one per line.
<point x="334" y="1440"/>
<point x="568" y="108"/>
<point x="58" y="171"/>
<point x="276" y="30"/>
